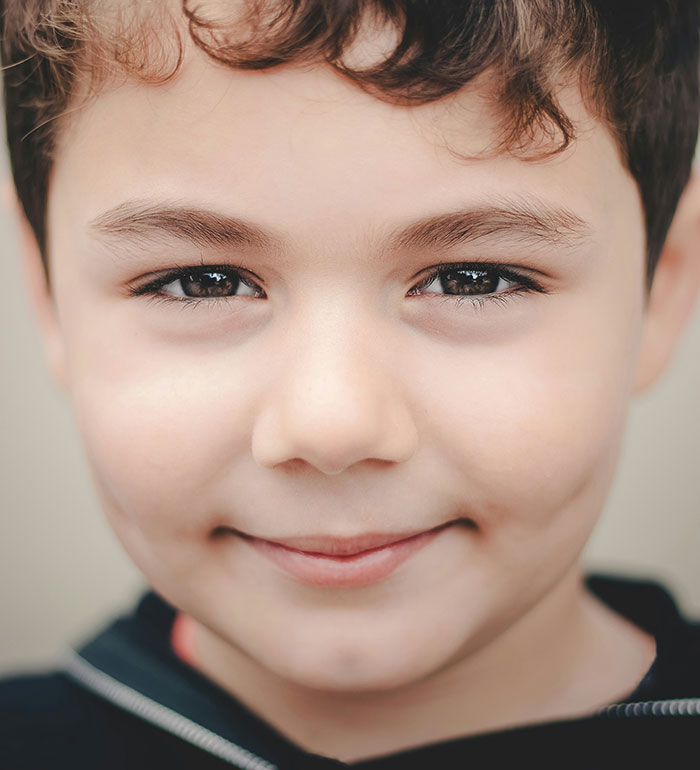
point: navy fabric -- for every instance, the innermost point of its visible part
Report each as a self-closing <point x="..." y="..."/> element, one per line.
<point x="50" y="721"/>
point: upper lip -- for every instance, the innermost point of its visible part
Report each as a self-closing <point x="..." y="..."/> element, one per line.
<point x="345" y="546"/>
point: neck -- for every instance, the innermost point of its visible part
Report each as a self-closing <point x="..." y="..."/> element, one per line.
<point x="567" y="657"/>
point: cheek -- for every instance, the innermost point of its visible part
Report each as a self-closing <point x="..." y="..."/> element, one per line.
<point x="532" y="427"/>
<point x="161" y="429"/>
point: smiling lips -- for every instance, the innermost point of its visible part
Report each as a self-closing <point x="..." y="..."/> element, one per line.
<point x="357" y="561"/>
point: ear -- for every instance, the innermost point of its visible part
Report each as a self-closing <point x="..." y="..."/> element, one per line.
<point x="39" y="292"/>
<point x="674" y="289"/>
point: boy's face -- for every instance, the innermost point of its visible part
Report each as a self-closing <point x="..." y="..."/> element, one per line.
<point x="337" y="393"/>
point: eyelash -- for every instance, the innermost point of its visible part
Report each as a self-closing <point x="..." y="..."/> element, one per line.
<point x="152" y="289"/>
<point x="526" y="284"/>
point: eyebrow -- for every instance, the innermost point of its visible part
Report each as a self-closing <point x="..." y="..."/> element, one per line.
<point x="525" y="220"/>
<point x="138" y="220"/>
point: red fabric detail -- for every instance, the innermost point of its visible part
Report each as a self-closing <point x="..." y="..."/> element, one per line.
<point x="182" y="638"/>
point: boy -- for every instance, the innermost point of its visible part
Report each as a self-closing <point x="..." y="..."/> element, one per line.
<point x="350" y="300"/>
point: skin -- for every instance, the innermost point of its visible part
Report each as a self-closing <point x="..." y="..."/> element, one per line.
<point x="340" y="404"/>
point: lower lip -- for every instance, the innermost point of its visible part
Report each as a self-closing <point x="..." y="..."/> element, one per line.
<point x="357" y="570"/>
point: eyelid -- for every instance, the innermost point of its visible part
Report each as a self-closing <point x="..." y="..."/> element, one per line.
<point x="482" y="264"/>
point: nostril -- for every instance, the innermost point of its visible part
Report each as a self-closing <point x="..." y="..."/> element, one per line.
<point x="296" y="466"/>
<point x="292" y="466"/>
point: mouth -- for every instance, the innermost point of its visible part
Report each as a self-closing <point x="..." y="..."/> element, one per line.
<point x="355" y="561"/>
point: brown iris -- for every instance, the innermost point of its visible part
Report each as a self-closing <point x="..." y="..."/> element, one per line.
<point x="466" y="281"/>
<point x="210" y="284"/>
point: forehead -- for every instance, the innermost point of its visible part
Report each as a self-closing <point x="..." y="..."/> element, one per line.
<point x="300" y="148"/>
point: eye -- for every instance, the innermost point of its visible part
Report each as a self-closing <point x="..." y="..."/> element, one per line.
<point x="481" y="281"/>
<point x="209" y="283"/>
<point x="201" y="283"/>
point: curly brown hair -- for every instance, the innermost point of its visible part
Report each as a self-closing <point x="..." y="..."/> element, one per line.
<point x="635" y="61"/>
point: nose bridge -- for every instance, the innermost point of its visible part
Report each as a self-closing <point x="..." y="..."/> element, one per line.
<point x="334" y="401"/>
<point x="328" y="357"/>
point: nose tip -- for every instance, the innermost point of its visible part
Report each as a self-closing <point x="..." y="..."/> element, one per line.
<point x="333" y="439"/>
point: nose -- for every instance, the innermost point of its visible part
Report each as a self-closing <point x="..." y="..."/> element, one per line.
<point x="334" y="403"/>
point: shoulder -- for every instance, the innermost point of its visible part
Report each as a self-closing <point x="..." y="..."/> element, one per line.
<point x="48" y="720"/>
<point x="43" y="717"/>
<point x="30" y="699"/>
<point x="675" y="674"/>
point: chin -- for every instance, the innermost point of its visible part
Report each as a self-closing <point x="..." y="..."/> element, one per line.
<point x="344" y="667"/>
<point x="352" y="676"/>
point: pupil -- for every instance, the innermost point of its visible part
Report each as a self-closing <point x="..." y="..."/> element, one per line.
<point x="469" y="281"/>
<point x="209" y="285"/>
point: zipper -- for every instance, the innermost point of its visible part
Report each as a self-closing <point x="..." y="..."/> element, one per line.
<point x="131" y="700"/>
<point x="680" y="707"/>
